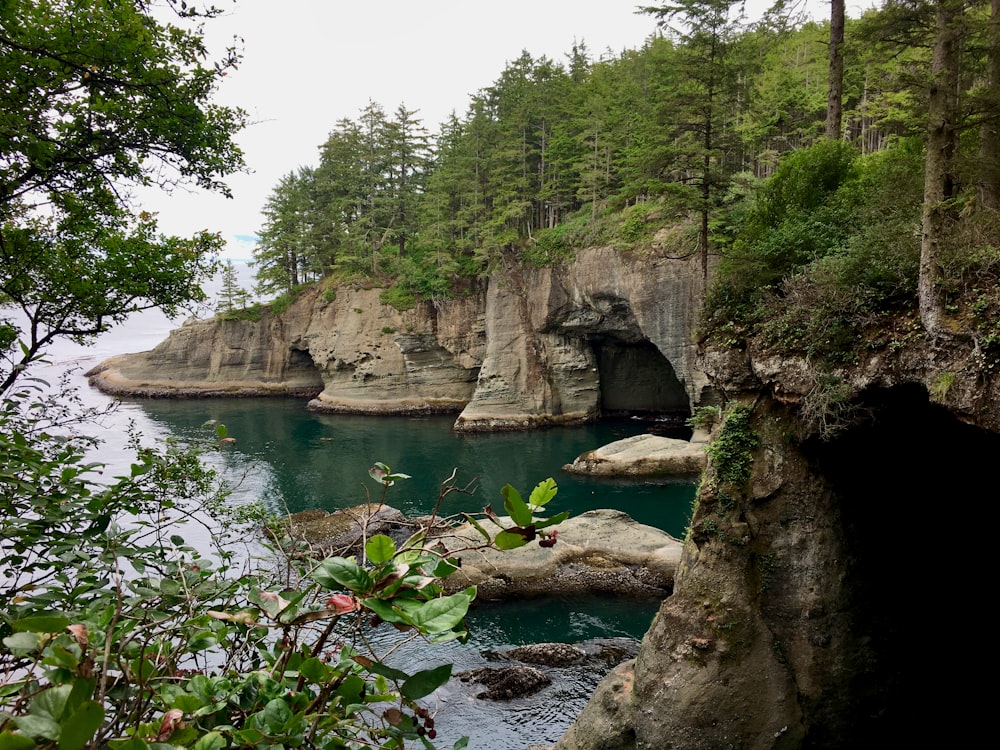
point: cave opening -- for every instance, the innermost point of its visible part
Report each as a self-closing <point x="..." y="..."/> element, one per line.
<point x="898" y="479"/>
<point x="638" y="381"/>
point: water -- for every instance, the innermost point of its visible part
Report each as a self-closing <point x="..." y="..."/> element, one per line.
<point x="293" y="459"/>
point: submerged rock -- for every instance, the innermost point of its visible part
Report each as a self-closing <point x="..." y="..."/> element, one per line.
<point x="508" y="682"/>
<point x="544" y="654"/>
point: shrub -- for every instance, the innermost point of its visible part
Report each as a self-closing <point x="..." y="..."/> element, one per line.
<point x="119" y="633"/>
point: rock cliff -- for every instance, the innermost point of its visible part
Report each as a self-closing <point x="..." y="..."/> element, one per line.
<point x="605" y="333"/>
<point x="797" y="619"/>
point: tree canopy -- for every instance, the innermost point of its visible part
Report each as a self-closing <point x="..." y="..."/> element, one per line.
<point x="100" y="98"/>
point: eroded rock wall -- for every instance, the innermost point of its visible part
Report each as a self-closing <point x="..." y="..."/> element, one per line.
<point x="800" y="616"/>
<point x="530" y="347"/>
<point x="548" y="328"/>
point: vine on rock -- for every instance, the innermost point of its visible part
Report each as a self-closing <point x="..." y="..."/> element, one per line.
<point x="732" y="451"/>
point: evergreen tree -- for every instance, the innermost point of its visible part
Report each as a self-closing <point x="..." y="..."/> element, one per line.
<point x="232" y="296"/>
<point x="704" y="97"/>
<point x="284" y="255"/>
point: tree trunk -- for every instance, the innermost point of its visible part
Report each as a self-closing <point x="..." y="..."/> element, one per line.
<point x="835" y="89"/>
<point x="939" y="161"/>
<point x="989" y="145"/>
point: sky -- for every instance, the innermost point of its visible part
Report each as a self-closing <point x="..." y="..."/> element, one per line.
<point x="309" y="63"/>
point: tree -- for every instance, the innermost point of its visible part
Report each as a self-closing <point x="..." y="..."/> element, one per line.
<point x="707" y="30"/>
<point x="232" y="296"/>
<point x="940" y="179"/>
<point x="989" y="146"/>
<point x="834" y="105"/>
<point x="407" y="156"/>
<point x="284" y="254"/>
<point x="99" y="98"/>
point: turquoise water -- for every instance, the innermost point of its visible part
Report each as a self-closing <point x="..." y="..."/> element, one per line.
<point x="293" y="459"/>
<point x="296" y="459"/>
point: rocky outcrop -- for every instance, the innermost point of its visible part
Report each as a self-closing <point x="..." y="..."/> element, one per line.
<point x="644" y="456"/>
<point x="602" y="551"/>
<point x="603" y="334"/>
<point x="350" y="354"/>
<point x="794" y="620"/>
<point x="506" y="683"/>
<point x="319" y="533"/>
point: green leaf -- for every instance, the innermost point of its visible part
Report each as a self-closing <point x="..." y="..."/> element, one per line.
<point x="385" y="610"/>
<point x="43" y="623"/>
<point x="135" y="743"/>
<point x="341" y="572"/>
<point x="39" y="727"/>
<point x="22" y="643"/>
<point x="425" y="682"/>
<point x="516" y="508"/>
<point x="509" y="540"/>
<point x="543" y="492"/>
<point x="441" y="614"/>
<point x="556" y="519"/>
<point x="377" y="667"/>
<point x="351" y="689"/>
<point x="210" y="741"/>
<point x="186" y="702"/>
<point x="315" y="671"/>
<point x="461" y="744"/>
<point x="78" y="729"/>
<point x="11" y="741"/>
<point x="276" y="715"/>
<point x="444" y="568"/>
<point x="51" y="702"/>
<point x="380" y="549"/>
<point x="221" y="431"/>
<point x="477" y="526"/>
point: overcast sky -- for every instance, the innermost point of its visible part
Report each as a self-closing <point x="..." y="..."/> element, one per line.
<point x="309" y="63"/>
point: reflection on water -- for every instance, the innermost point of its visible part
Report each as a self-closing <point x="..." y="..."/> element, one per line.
<point x="297" y="459"/>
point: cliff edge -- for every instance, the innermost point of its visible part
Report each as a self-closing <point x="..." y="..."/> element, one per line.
<point x="606" y="333"/>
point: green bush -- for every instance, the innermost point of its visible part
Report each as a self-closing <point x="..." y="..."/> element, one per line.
<point x="119" y="633"/>
<point x="732" y="451"/>
<point x="811" y="271"/>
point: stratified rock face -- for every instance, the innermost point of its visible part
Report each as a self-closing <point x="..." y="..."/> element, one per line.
<point x="351" y="354"/>
<point x="374" y="359"/>
<point x="205" y="358"/>
<point x="604" y="334"/>
<point x="797" y="618"/>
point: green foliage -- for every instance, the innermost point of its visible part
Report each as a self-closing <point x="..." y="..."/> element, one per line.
<point x="284" y="300"/>
<point x="252" y="314"/>
<point x="231" y="296"/>
<point x="812" y="270"/>
<point x="398" y="297"/>
<point x="704" y="418"/>
<point x="117" y="632"/>
<point x="732" y="451"/>
<point x="100" y="98"/>
<point x="636" y="222"/>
